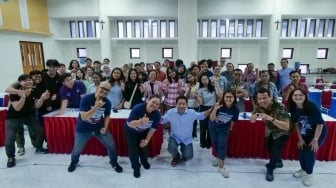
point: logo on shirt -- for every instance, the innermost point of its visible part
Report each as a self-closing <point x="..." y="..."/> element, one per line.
<point x="223" y="118"/>
<point x="96" y="118"/>
<point x="304" y="124"/>
<point x="145" y="126"/>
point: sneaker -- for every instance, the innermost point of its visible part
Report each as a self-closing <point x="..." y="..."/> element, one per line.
<point x="41" y="151"/>
<point x="269" y="174"/>
<point x="117" y="168"/>
<point x="277" y="165"/>
<point x="307" y="179"/>
<point x="146" y="165"/>
<point x="136" y="173"/>
<point x="299" y="173"/>
<point x="72" y="167"/>
<point x="224" y="172"/>
<point x="11" y="162"/>
<point x="21" y="151"/>
<point x="214" y="162"/>
<point x="174" y="162"/>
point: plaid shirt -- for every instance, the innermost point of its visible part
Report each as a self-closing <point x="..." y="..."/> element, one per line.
<point x="173" y="87"/>
<point x="279" y="112"/>
<point x="250" y="78"/>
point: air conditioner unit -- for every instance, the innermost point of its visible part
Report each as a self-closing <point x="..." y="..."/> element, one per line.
<point x="4" y="1"/>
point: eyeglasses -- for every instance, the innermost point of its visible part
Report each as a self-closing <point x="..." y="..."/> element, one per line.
<point x="228" y="97"/>
<point x="104" y="88"/>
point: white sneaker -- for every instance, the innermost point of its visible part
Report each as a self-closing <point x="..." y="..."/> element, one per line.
<point x="299" y="173"/>
<point x="224" y="172"/>
<point x="307" y="179"/>
<point x="21" y="151"/>
<point x="214" y="161"/>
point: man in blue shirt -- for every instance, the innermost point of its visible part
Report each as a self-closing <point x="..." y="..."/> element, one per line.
<point x="284" y="74"/>
<point x="70" y="93"/>
<point x="181" y="121"/>
<point x="93" y="120"/>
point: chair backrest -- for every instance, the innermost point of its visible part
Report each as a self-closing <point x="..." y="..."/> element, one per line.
<point x="248" y="105"/>
<point x="319" y="86"/>
<point x="333" y="86"/>
<point x="326" y="98"/>
<point x="303" y="79"/>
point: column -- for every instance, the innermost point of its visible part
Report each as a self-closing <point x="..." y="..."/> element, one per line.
<point x="274" y="34"/>
<point x="105" y="41"/>
<point x="187" y="31"/>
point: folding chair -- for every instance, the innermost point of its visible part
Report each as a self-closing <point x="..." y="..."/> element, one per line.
<point x="326" y="101"/>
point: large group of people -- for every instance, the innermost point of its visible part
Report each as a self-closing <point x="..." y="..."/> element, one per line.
<point x="171" y="94"/>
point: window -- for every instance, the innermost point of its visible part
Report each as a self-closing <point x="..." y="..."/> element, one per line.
<point x="259" y="25"/>
<point x="284" y="27"/>
<point x="331" y="25"/>
<point x="242" y="66"/>
<point x="137" y="30"/>
<point x="80" y="29"/>
<point x="303" y="28"/>
<point x="226" y="53"/>
<point x="294" y="28"/>
<point x="135" y="53"/>
<point x="213" y="33"/>
<point x="163" y="28"/>
<point x="240" y="29"/>
<point x="322" y="53"/>
<point x="167" y="52"/>
<point x="145" y="29"/>
<point x="304" y="68"/>
<point x="128" y="29"/>
<point x="120" y="29"/>
<point x="312" y="25"/>
<point x="249" y="28"/>
<point x="171" y="28"/>
<point x="72" y="29"/>
<point x="320" y="31"/>
<point x="155" y="29"/>
<point x="205" y="28"/>
<point x="287" y="53"/>
<point x="97" y="28"/>
<point x="232" y="28"/>
<point x="89" y="29"/>
<point x="222" y="28"/>
<point x="81" y="52"/>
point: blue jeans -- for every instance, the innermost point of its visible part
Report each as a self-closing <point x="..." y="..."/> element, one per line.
<point x="186" y="150"/>
<point x="219" y="136"/>
<point x="82" y="138"/>
<point x="307" y="156"/>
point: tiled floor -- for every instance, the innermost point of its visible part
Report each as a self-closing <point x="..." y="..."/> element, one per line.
<point x="50" y="170"/>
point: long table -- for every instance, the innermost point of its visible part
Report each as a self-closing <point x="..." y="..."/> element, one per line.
<point x="246" y="140"/>
<point x="60" y="131"/>
<point x="3" y="113"/>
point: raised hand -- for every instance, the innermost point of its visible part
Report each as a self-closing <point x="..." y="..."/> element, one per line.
<point x="99" y="103"/>
<point x="144" y="120"/>
<point x="217" y="106"/>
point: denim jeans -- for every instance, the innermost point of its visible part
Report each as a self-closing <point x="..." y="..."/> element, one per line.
<point x="274" y="147"/>
<point x="13" y="125"/>
<point x="219" y="136"/>
<point x="82" y="138"/>
<point x="186" y="150"/>
<point x="307" y="156"/>
<point x="134" y="150"/>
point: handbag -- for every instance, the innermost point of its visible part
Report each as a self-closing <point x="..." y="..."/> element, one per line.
<point x="127" y="104"/>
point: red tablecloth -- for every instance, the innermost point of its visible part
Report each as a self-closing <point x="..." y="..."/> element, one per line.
<point x="2" y="126"/>
<point x="246" y="140"/>
<point x="60" y="133"/>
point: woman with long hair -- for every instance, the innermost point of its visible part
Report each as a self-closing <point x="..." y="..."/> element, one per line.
<point x="115" y="95"/>
<point x="133" y="82"/>
<point x="311" y="131"/>
<point x="222" y="118"/>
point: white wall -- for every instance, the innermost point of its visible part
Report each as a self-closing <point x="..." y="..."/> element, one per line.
<point x="11" y="61"/>
<point x="72" y="8"/>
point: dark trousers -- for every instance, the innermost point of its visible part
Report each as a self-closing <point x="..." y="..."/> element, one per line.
<point x="205" y="139"/>
<point x="194" y="131"/>
<point x="219" y="136"/>
<point x="274" y="147"/>
<point x="20" y="140"/>
<point x="134" y="150"/>
<point x="12" y="126"/>
<point x="307" y="156"/>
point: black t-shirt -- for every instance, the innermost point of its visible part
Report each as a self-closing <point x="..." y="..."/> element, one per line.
<point x="27" y="109"/>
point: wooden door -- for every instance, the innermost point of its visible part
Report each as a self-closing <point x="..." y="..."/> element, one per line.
<point x="32" y="56"/>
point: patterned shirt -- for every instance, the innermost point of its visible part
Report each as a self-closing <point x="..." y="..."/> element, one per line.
<point x="279" y="112"/>
<point x="173" y="87"/>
